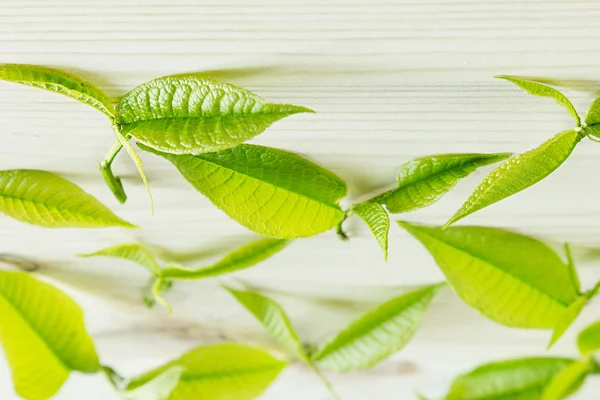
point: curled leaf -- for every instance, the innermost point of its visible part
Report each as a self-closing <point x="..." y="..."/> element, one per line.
<point x="378" y="221"/>
<point x="44" y="199"/>
<point x="271" y="192"/>
<point x="194" y="115"/>
<point x="519" y="172"/>
<point x="134" y="252"/>
<point x="58" y="81"/>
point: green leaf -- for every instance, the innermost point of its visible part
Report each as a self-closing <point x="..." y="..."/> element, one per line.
<point x="224" y="371"/>
<point x="269" y="191"/>
<point x="194" y="115"/>
<point x="377" y="334"/>
<point x="44" y="199"/>
<point x="134" y="252"/>
<point x="566" y="319"/>
<point x="58" y="81"/>
<point x="588" y="340"/>
<point x="423" y="181"/>
<point x="378" y="221"/>
<point x="569" y="380"/>
<point x="519" y="173"/>
<point x="592" y="119"/>
<point x="273" y="318"/>
<point x="158" y="388"/>
<point x="520" y="379"/>
<point x="510" y="278"/>
<point x="539" y="89"/>
<point x="43" y="334"/>
<point x="242" y="258"/>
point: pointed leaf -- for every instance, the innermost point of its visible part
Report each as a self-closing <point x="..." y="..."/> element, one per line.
<point x="592" y="119"/>
<point x="424" y="181"/>
<point x="566" y="319"/>
<point x="58" y="81"/>
<point x="273" y="318"/>
<point x="510" y="278"/>
<point x="134" y="252"/>
<point x="520" y="379"/>
<point x="378" y="221"/>
<point x="224" y="371"/>
<point x="377" y="334"/>
<point x="44" y="199"/>
<point x="588" y="340"/>
<point x="159" y="388"/>
<point x="569" y="380"/>
<point x="242" y="258"/>
<point x="43" y="335"/>
<point x="519" y="172"/>
<point x="572" y="269"/>
<point x="269" y="191"/>
<point x="539" y="89"/>
<point x="194" y="115"/>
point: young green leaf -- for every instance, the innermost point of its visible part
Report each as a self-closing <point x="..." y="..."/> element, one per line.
<point x="43" y="334"/>
<point x="269" y="191"/>
<point x="510" y="278"/>
<point x="134" y="252"/>
<point x="592" y="119"/>
<point x="520" y="379"/>
<point x="424" y="181"/>
<point x="222" y="371"/>
<point x="377" y="334"/>
<point x="194" y="115"/>
<point x="273" y="318"/>
<point x="569" y="380"/>
<point x="378" y="221"/>
<point x="58" y="81"/>
<point x="158" y="388"/>
<point x="242" y="258"/>
<point x="44" y="199"/>
<point x="539" y="89"/>
<point x="566" y="319"/>
<point x="519" y="173"/>
<point x="588" y="340"/>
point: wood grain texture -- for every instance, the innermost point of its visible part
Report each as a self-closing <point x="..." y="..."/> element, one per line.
<point x="390" y="81"/>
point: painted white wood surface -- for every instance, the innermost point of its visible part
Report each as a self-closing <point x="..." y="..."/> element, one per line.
<point x="390" y="80"/>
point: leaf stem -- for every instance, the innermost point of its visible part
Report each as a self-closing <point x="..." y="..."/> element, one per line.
<point x="114" y="183"/>
<point x="323" y="379"/>
<point x="340" y="229"/>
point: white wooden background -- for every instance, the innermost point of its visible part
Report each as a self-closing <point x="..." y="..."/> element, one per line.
<point x="390" y="80"/>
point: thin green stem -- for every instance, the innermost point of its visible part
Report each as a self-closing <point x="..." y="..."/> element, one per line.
<point x="340" y="229"/>
<point x="328" y="384"/>
<point x="114" y="183"/>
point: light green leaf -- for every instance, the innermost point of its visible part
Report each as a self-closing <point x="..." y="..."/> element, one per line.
<point x="44" y="199"/>
<point x="424" y="181"/>
<point x="539" y="89"/>
<point x="520" y="379"/>
<point x="134" y="252"/>
<point x="519" y="172"/>
<point x="242" y="258"/>
<point x="43" y="335"/>
<point x="158" y="388"/>
<point x="569" y="380"/>
<point x="194" y="115"/>
<point x="378" y="221"/>
<point x="566" y="319"/>
<point x="572" y="269"/>
<point x="510" y="278"/>
<point x="58" y="81"/>
<point x="377" y="334"/>
<point x="273" y="318"/>
<point x="592" y="119"/>
<point x="588" y="340"/>
<point x="269" y="191"/>
<point x="224" y="371"/>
